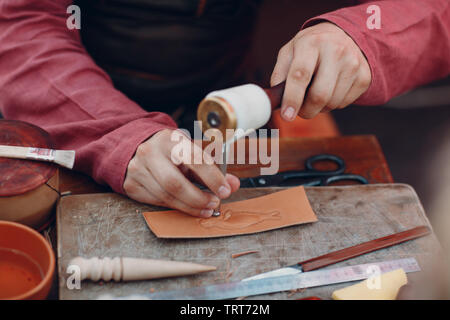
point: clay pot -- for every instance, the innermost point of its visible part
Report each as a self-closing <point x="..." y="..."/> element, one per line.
<point x="27" y="263"/>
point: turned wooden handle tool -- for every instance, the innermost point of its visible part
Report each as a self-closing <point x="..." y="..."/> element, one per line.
<point x="130" y="269"/>
<point x="360" y="249"/>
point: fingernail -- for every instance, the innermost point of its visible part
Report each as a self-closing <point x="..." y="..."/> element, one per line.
<point x="224" y="191"/>
<point x="289" y="113"/>
<point x="213" y="204"/>
<point x="206" y="213"/>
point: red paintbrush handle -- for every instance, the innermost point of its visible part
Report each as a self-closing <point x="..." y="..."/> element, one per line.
<point x="366" y="247"/>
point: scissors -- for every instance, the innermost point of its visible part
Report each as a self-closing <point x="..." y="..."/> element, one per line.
<point x="320" y="177"/>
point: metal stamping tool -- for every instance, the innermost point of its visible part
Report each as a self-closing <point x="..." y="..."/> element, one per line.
<point x="223" y="168"/>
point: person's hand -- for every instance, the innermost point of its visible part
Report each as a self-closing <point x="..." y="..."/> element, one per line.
<point x="328" y="58"/>
<point x="152" y="177"/>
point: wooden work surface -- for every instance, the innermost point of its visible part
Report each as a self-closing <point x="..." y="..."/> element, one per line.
<point x="111" y="225"/>
<point x="361" y="153"/>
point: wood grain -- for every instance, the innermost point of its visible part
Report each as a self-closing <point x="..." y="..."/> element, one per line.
<point x="111" y="225"/>
<point x="20" y="176"/>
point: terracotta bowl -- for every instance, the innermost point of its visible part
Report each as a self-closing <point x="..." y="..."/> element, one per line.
<point x="27" y="263"/>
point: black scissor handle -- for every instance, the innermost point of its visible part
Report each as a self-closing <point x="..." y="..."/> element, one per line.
<point x="342" y="177"/>
<point x="309" y="164"/>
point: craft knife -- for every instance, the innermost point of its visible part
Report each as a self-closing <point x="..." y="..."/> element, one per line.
<point x="344" y="254"/>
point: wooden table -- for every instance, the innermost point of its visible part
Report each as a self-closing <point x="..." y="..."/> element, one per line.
<point x="111" y="225"/>
<point x="362" y="155"/>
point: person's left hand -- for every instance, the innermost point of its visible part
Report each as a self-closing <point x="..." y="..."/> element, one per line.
<point x="328" y="58"/>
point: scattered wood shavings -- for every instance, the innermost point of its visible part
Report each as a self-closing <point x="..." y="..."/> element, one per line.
<point x="222" y="275"/>
<point x="240" y="254"/>
<point x="229" y="274"/>
<point x="292" y="292"/>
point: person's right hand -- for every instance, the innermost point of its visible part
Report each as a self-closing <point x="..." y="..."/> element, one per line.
<point x="152" y="177"/>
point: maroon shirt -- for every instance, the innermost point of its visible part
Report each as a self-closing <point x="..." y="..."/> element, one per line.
<point x="47" y="78"/>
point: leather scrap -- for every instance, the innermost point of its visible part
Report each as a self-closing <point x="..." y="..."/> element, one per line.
<point x="273" y="211"/>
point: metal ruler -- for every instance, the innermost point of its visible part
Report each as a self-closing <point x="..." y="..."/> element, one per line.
<point x="284" y="283"/>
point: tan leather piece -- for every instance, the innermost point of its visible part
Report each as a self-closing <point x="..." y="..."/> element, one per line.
<point x="277" y="210"/>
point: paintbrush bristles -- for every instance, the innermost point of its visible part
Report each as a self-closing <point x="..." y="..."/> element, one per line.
<point x="65" y="158"/>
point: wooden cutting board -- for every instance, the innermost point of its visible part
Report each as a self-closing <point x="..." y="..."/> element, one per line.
<point x="111" y="225"/>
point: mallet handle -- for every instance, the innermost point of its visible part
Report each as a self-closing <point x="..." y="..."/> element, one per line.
<point x="275" y="94"/>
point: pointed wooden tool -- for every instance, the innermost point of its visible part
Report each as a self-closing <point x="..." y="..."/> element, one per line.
<point x="130" y="269"/>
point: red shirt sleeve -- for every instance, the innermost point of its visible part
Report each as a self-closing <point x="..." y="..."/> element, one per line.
<point x="48" y="79"/>
<point x="412" y="47"/>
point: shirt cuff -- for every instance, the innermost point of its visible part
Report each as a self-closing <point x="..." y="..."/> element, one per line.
<point x="128" y="138"/>
<point x="374" y="94"/>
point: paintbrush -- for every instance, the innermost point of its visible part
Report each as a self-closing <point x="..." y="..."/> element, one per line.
<point x="64" y="158"/>
<point x="130" y="269"/>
